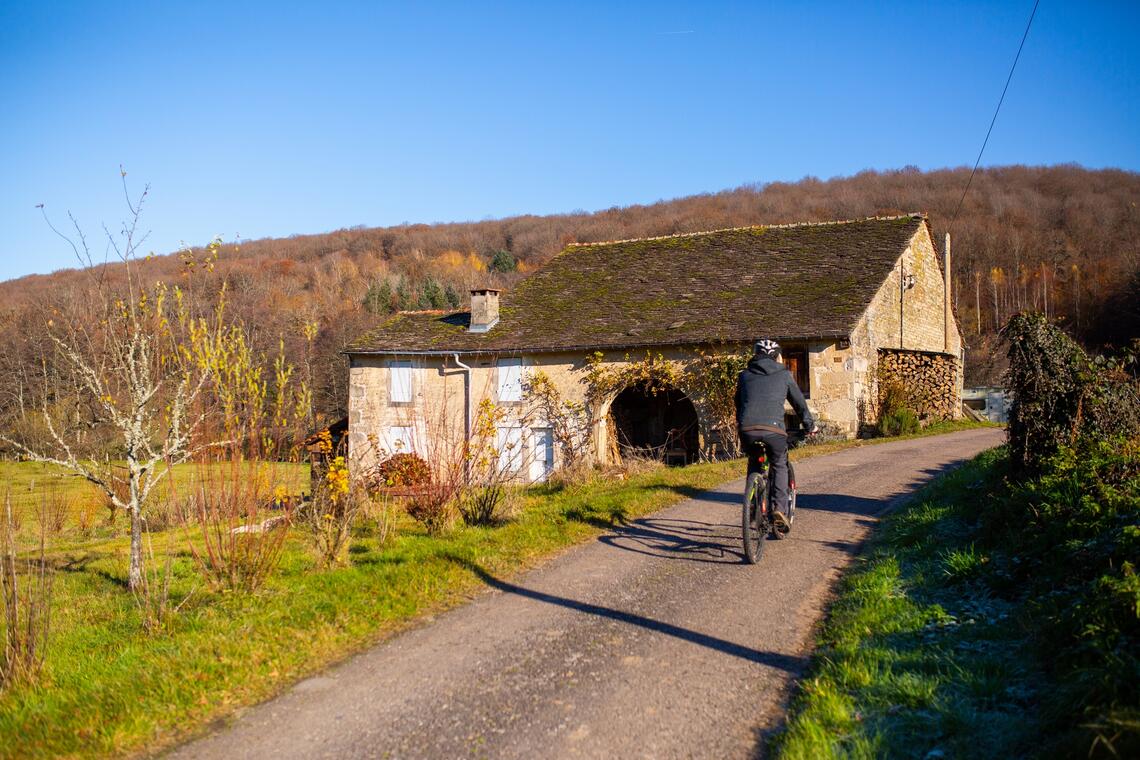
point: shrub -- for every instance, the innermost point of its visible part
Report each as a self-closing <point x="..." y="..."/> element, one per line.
<point x="403" y="471"/>
<point x="711" y="381"/>
<point x="55" y="508"/>
<point x="165" y="513"/>
<point x="434" y="505"/>
<point x="480" y="505"/>
<point x="491" y="465"/>
<point x="334" y="506"/>
<point x="1072" y="532"/>
<point x="240" y="546"/>
<point x="1044" y="378"/>
<point x="25" y="601"/>
<point x="896" y="417"/>
<point x="1060" y="394"/>
<point x="900" y="421"/>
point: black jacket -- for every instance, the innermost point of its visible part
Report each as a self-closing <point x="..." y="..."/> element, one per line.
<point x="760" y="394"/>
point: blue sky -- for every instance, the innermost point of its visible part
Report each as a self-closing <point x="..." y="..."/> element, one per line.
<point x="258" y="119"/>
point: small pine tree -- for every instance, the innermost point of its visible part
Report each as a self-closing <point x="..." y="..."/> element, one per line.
<point x="452" y="296"/>
<point x="404" y="298"/>
<point x="431" y="295"/>
<point x="503" y="261"/>
<point x="378" y="299"/>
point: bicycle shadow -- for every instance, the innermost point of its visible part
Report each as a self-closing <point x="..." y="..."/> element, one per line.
<point x="717" y="540"/>
<point x="676" y="538"/>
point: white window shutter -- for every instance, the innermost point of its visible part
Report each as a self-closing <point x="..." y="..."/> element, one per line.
<point x="400" y="389"/>
<point x="510" y="380"/>
<point x="508" y="440"/>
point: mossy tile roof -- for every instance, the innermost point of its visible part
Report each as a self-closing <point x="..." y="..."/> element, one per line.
<point x="726" y="286"/>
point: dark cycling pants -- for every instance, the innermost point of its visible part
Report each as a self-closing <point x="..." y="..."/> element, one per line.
<point x="776" y="445"/>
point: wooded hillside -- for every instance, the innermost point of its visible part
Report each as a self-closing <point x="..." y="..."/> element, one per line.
<point x="1061" y="239"/>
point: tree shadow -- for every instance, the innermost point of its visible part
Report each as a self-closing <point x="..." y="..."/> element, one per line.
<point x="83" y="565"/>
<point x="788" y="663"/>
<point x="840" y="503"/>
<point x="724" y="497"/>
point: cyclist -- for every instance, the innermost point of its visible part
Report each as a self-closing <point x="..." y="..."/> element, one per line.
<point x="760" y="394"/>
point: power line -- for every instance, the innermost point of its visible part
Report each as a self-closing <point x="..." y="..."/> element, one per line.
<point x="996" y="110"/>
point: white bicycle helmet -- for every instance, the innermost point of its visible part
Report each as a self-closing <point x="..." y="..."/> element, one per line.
<point x="765" y="346"/>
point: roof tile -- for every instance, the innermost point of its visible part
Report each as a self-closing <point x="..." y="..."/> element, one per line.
<point x="724" y="286"/>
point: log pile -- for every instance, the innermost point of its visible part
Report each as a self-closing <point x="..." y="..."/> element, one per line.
<point x="930" y="379"/>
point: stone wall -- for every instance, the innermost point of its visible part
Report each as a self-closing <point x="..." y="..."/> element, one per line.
<point x="436" y="414"/>
<point x="922" y="322"/>
<point x="837" y="376"/>
<point x="929" y="379"/>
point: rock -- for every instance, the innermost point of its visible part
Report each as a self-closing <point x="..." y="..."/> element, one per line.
<point x="261" y="527"/>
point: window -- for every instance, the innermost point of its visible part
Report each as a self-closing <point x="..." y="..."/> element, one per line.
<point x="400" y="385"/>
<point x="508" y="441"/>
<point x="510" y="381"/>
<point x="796" y="360"/>
<point x="399" y="440"/>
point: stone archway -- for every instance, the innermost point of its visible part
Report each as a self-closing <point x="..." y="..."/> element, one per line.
<point x="660" y="424"/>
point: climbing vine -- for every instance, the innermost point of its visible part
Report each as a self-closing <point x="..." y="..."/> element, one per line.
<point x="1061" y="394"/>
<point x="711" y="381"/>
<point x="654" y="374"/>
<point x="569" y="421"/>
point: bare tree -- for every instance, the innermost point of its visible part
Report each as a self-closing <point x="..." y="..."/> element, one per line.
<point x="141" y="360"/>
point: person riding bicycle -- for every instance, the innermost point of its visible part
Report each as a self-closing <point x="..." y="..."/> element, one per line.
<point x="761" y="391"/>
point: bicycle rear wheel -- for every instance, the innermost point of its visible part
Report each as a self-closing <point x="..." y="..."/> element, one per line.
<point x="791" y="494"/>
<point x="754" y="517"/>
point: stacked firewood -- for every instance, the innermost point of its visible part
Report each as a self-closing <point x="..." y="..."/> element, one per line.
<point x="930" y="380"/>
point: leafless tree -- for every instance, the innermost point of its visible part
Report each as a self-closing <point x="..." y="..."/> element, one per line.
<point x="141" y="361"/>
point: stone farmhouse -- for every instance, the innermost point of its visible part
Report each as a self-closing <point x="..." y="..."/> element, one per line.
<point x="847" y="300"/>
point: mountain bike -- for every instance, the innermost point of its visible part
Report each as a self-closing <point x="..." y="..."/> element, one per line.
<point x="756" y="516"/>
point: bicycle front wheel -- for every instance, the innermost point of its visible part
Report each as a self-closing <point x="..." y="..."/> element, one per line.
<point x="754" y="517"/>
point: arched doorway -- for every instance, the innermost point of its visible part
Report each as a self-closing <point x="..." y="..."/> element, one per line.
<point x="660" y="425"/>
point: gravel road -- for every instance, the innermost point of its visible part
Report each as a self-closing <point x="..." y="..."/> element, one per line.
<point x="653" y="641"/>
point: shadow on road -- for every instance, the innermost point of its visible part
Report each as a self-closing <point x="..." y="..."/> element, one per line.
<point x="714" y="541"/>
<point x="725" y="497"/>
<point x="689" y="540"/>
<point x="840" y="502"/>
<point x="783" y="662"/>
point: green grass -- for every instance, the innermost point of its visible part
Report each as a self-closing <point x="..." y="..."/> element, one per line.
<point x="109" y="688"/>
<point x="917" y="658"/>
<point x="996" y="615"/>
<point x="31" y="485"/>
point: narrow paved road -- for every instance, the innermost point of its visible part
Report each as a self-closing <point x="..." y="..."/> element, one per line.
<point x="653" y="641"/>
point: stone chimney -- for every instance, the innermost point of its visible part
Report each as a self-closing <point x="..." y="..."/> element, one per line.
<point x="484" y="309"/>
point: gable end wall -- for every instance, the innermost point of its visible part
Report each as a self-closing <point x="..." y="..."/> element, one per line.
<point x="922" y="317"/>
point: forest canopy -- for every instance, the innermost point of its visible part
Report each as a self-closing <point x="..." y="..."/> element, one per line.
<point x="1062" y="240"/>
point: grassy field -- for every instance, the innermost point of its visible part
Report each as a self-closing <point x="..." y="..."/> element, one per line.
<point x="110" y="688"/>
<point x="77" y="510"/>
